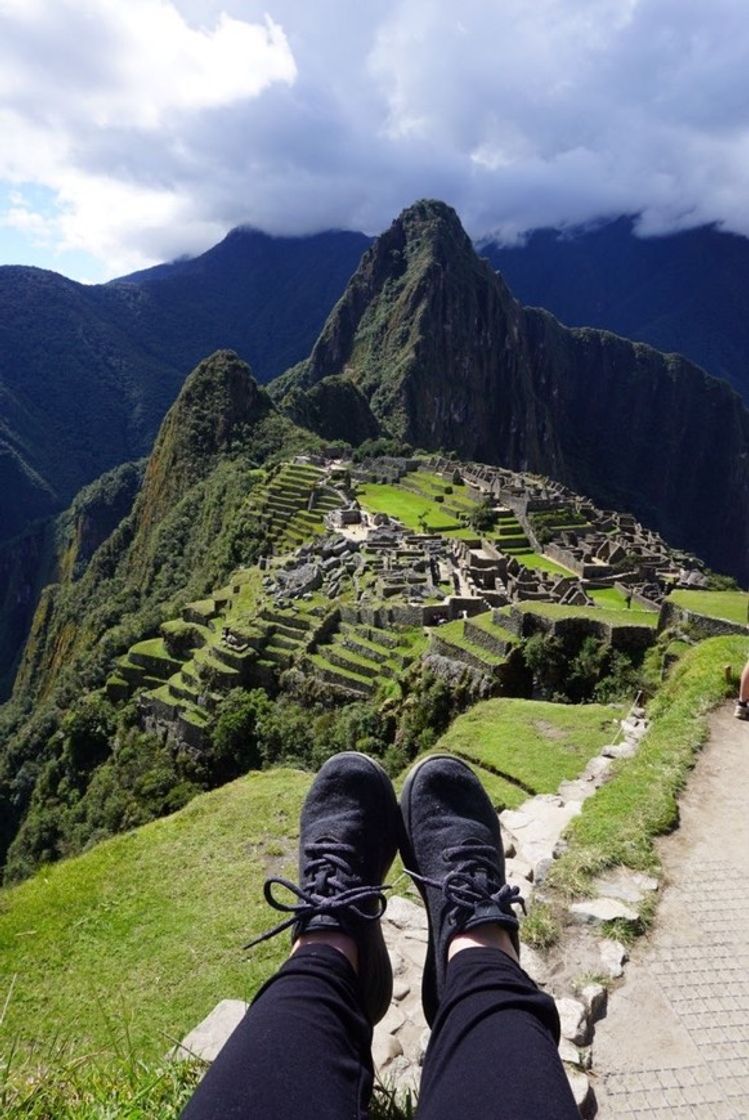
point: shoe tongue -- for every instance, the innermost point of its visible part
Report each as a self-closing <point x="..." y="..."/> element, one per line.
<point x="320" y="921"/>
<point x="484" y="912"/>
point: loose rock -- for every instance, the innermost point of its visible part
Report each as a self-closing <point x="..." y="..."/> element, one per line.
<point x="597" y="910"/>
<point x="404" y="914"/>
<point x="205" y="1040"/>
<point x="573" y="1019"/>
<point x="582" y="1092"/>
<point x="613" y="957"/>
<point x="595" y="997"/>
<point x="385" y="1047"/>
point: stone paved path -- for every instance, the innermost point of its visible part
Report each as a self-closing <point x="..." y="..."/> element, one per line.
<point x="675" y="1043"/>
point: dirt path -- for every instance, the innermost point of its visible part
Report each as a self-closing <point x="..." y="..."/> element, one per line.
<point x="675" y="1043"/>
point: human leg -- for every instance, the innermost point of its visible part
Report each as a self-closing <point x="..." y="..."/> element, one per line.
<point x="493" y="1049"/>
<point x="742" y="706"/>
<point x="302" y="1050"/>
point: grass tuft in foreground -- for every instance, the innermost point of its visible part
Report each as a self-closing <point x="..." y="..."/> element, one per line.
<point x="87" y="1087"/>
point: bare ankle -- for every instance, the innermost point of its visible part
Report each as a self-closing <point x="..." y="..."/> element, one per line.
<point x="336" y="939"/>
<point x="488" y="936"/>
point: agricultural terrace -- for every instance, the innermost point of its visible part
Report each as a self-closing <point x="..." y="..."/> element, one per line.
<point x="410" y="508"/>
<point x="731" y="606"/>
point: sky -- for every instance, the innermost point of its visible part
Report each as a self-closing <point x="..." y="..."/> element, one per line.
<point x="137" y="131"/>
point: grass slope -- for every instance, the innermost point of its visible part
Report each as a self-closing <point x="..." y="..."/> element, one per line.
<point x="534" y="743"/>
<point x="408" y="507"/>
<point x="733" y="606"/>
<point x="613" y="617"/>
<point x="147" y="928"/>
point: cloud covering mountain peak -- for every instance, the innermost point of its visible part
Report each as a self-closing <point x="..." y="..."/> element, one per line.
<point x="138" y="131"/>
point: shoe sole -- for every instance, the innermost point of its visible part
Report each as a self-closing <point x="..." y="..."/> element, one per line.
<point x="429" y="999"/>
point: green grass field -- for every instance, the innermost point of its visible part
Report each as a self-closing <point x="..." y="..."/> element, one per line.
<point x="407" y="507"/>
<point x="614" y="617"/>
<point x="537" y="744"/>
<point x="729" y="605"/>
<point x="609" y="597"/>
<point x="541" y="563"/>
<point x="145" y="932"/>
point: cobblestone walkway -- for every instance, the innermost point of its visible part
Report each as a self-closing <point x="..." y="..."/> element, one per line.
<point x="675" y="1043"/>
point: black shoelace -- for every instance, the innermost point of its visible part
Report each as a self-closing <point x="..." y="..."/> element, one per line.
<point x="474" y="882"/>
<point x="324" y="891"/>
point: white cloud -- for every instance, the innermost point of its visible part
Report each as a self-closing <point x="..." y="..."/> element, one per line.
<point x="158" y="124"/>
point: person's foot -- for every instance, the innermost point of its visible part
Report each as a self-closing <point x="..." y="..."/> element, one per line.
<point x="742" y="709"/>
<point x="453" y="850"/>
<point x="347" y="841"/>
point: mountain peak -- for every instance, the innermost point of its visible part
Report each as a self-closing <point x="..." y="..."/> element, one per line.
<point x="394" y="298"/>
<point x="446" y="357"/>
<point x="216" y="406"/>
<point x="427" y="211"/>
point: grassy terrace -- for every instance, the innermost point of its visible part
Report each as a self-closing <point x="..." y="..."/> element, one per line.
<point x="281" y="504"/>
<point x="613" y="617"/>
<point x="729" y="605"/>
<point x="366" y="659"/>
<point x="535" y="745"/>
<point x="409" y="507"/>
<point x="610" y="598"/>
<point x="146" y="930"/>
<point x="540" y="563"/>
<point x="431" y="485"/>
<point x="456" y="634"/>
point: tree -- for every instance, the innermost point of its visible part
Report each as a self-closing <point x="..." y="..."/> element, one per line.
<point x="234" y="736"/>
<point x="483" y="518"/>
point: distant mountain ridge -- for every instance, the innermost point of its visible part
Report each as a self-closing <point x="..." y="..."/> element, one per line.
<point x="88" y="373"/>
<point x="686" y="292"/>
<point x="448" y="358"/>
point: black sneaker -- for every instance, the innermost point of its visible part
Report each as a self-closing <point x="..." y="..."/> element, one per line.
<point x="742" y="709"/>
<point x="347" y="841"/>
<point x="453" y="851"/>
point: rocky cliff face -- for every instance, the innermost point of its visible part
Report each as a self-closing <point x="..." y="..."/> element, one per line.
<point x="446" y="357"/>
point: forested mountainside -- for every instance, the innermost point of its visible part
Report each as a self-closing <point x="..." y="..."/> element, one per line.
<point x="57" y="550"/>
<point x="686" y="292"/>
<point x="448" y="358"/>
<point x="188" y="527"/>
<point x="87" y="372"/>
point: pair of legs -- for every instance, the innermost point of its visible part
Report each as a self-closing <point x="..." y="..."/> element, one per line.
<point x="303" y="1049"/>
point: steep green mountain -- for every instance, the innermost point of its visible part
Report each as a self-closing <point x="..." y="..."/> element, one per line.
<point x="688" y="291"/>
<point x="447" y="358"/>
<point x="87" y="372"/>
<point x="189" y="526"/>
<point x="179" y="537"/>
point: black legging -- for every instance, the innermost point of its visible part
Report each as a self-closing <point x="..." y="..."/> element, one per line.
<point x="303" y="1049"/>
